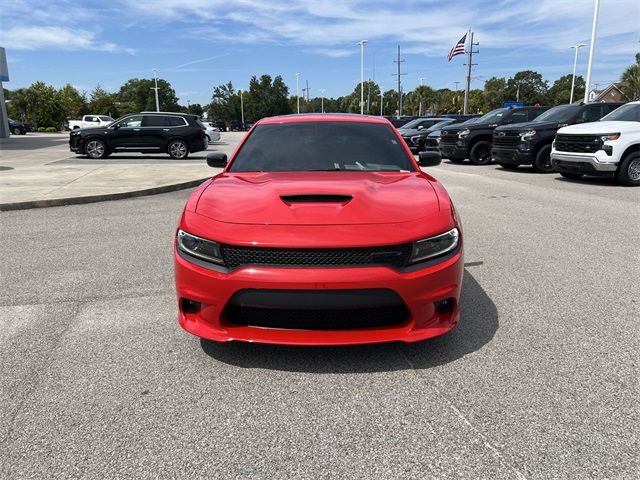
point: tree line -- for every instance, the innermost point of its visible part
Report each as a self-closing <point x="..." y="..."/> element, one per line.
<point x="45" y="106"/>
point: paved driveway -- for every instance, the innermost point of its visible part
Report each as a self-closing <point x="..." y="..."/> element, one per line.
<point x="540" y="380"/>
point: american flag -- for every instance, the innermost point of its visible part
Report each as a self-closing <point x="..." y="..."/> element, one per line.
<point x="458" y="48"/>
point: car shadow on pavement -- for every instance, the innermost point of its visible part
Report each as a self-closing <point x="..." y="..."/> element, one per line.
<point x="604" y="181"/>
<point x="478" y="325"/>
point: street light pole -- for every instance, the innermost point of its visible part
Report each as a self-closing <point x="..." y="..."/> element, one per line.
<point x="322" y="90"/>
<point x="241" y="108"/>
<point x="592" y="47"/>
<point x="575" y="62"/>
<point x="155" y="79"/>
<point x="381" y="100"/>
<point x="361" y="43"/>
<point x="298" y="92"/>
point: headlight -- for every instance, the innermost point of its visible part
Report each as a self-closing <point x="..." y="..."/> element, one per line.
<point x="438" y="140"/>
<point x="199" y="247"/>
<point x="610" y="136"/>
<point x="528" y="135"/>
<point x="434" y="246"/>
<point x="415" y="138"/>
<point x="463" y="133"/>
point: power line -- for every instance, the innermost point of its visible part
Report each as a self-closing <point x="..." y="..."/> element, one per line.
<point x="399" y="75"/>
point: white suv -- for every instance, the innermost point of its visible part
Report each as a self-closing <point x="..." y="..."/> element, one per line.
<point x="609" y="147"/>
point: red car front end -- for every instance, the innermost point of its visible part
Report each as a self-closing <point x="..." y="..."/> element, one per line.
<point x="311" y="257"/>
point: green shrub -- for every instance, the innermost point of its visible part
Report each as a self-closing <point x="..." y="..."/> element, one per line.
<point x="40" y="129"/>
<point x="51" y="129"/>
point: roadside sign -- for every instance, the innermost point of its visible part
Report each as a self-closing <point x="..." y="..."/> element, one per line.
<point x="512" y="104"/>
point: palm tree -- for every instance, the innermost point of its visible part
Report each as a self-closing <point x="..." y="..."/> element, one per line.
<point x="630" y="80"/>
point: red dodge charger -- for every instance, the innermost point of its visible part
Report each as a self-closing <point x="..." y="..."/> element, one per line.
<point x="321" y="230"/>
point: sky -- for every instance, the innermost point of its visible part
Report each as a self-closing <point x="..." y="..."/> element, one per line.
<point x="197" y="45"/>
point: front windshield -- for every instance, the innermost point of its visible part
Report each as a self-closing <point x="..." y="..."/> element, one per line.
<point x="561" y="113"/>
<point x="441" y="124"/>
<point x="626" y="113"/>
<point x="493" y="116"/>
<point x="322" y="146"/>
<point x="106" y="119"/>
<point x="413" y="123"/>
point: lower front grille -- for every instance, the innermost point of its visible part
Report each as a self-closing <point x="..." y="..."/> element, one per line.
<point x="318" y="319"/>
<point x="509" y="140"/>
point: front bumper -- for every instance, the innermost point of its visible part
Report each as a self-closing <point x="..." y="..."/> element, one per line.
<point x="75" y="144"/>
<point x="511" y="156"/>
<point x="419" y="290"/>
<point x="414" y="147"/>
<point x="448" y="150"/>
<point x="597" y="163"/>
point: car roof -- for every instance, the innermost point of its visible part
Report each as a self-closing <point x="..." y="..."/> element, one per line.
<point x="322" y="117"/>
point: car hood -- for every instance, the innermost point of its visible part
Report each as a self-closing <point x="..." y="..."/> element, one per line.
<point x="90" y="129"/>
<point x="409" y="132"/>
<point x="601" y="128"/>
<point x="340" y="198"/>
<point x="519" y="127"/>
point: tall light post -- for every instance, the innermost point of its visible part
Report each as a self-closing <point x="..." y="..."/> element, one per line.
<point x="241" y="108"/>
<point x="155" y="79"/>
<point x="298" y="91"/>
<point x="575" y="63"/>
<point x="361" y="43"/>
<point x="322" y="90"/>
<point x="591" y="50"/>
<point x="381" y="100"/>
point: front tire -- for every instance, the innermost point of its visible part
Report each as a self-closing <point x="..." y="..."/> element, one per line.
<point x="95" y="148"/>
<point x="509" y="166"/>
<point x="542" y="162"/>
<point x="628" y="173"/>
<point x="178" y="149"/>
<point x="16" y="131"/>
<point x="571" y="176"/>
<point x="480" y="153"/>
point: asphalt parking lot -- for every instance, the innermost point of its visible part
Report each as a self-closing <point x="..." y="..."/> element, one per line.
<point x="540" y="380"/>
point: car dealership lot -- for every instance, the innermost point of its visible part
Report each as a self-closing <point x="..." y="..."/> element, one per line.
<point x="540" y="380"/>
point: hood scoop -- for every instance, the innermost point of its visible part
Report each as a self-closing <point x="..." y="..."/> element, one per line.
<point x="316" y="198"/>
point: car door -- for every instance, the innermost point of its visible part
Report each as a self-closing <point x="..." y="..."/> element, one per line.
<point x="154" y="132"/>
<point x="90" y="121"/>
<point x="126" y="134"/>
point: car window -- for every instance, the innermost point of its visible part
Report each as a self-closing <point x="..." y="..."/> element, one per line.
<point x="106" y="119"/>
<point x="535" y="113"/>
<point x="173" y="121"/>
<point x="591" y="113"/>
<point x="519" y="117"/>
<point x="134" y="121"/>
<point x="91" y="119"/>
<point x="153" y="121"/>
<point x="626" y="113"/>
<point x="313" y="146"/>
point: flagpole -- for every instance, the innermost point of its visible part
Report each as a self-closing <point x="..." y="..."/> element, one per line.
<point x="470" y="55"/>
<point x="592" y="47"/>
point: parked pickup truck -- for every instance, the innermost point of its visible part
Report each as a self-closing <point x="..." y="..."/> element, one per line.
<point x="530" y="143"/>
<point x="610" y="147"/>
<point x="90" y="121"/>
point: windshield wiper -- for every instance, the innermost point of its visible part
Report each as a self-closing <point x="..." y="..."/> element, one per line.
<point x="335" y="169"/>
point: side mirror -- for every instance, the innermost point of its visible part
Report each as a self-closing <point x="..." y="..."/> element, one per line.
<point x="429" y="159"/>
<point x="116" y="127"/>
<point x="217" y="159"/>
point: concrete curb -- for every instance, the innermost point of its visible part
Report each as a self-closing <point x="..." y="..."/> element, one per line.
<point x="58" y="202"/>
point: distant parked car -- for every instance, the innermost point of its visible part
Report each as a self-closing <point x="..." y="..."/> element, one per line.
<point x="432" y="140"/>
<point x="530" y="143"/>
<point x="17" y="127"/>
<point x="149" y="132"/>
<point x="212" y="133"/>
<point x="415" y="131"/>
<point x="89" y="121"/>
<point x="399" y="122"/>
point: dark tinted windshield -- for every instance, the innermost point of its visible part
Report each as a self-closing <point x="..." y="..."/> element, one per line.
<point x="561" y="113"/>
<point x="494" y="116"/>
<point x="314" y="146"/>
<point x="626" y="113"/>
<point x="441" y="124"/>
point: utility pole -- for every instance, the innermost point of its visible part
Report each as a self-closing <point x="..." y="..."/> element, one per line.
<point x="575" y="62"/>
<point x="241" y="108"/>
<point x="469" y="65"/>
<point x="361" y="43"/>
<point x="298" y="92"/>
<point x="592" y="47"/>
<point x="381" y="101"/>
<point x="155" y="79"/>
<point x="322" y="90"/>
<point x="399" y="83"/>
<point x="307" y="91"/>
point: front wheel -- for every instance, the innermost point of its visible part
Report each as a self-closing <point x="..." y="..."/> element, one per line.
<point x="628" y="173"/>
<point x="509" y="166"/>
<point x="178" y="149"/>
<point x="480" y="153"/>
<point x="95" y="148"/>
<point x="16" y="131"/>
<point x="571" y="176"/>
<point x="542" y="162"/>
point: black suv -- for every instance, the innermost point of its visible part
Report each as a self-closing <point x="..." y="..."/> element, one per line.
<point x="19" y="128"/>
<point x="150" y="132"/>
<point x="473" y="141"/>
<point x="530" y="143"/>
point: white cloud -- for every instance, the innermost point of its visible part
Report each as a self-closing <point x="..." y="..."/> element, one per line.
<point x="21" y="37"/>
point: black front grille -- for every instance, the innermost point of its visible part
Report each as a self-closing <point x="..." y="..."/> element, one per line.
<point x="506" y="139"/>
<point x="395" y="256"/>
<point x="578" y="143"/>
<point x="449" y="137"/>
<point x="317" y="319"/>
<point x="431" y="143"/>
